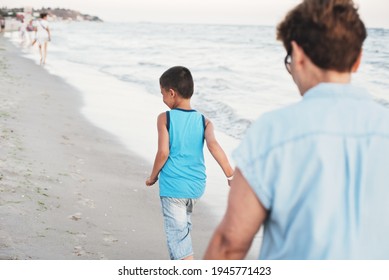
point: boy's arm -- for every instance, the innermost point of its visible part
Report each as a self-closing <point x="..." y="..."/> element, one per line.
<point x="217" y="151"/>
<point x="163" y="150"/>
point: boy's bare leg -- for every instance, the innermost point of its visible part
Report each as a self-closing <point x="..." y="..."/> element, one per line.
<point x="188" y="258"/>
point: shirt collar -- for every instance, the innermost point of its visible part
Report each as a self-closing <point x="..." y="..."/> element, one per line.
<point x="336" y="90"/>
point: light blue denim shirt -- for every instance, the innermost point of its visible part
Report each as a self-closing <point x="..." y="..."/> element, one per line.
<point x="321" y="169"/>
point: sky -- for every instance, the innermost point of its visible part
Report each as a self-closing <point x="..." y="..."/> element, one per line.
<point x="373" y="12"/>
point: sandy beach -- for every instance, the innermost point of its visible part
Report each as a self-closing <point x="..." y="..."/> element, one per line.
<point x="70" y="190"/>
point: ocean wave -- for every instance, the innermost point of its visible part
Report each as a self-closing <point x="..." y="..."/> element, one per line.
<point x="150" y="64"/>
<point x="223" y="117"/>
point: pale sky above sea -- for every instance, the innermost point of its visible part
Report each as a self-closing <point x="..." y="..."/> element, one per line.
<point x="373" y="12"/>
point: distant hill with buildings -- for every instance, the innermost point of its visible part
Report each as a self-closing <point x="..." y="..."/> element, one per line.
<point x="55" y="14"/>
<point x="66" y="14"/>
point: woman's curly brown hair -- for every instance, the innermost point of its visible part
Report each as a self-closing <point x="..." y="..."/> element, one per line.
<point x="330" y="32"/>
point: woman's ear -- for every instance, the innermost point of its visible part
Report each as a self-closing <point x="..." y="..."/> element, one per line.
<point x="355" y="67"/>
<point x="297" y="53"/>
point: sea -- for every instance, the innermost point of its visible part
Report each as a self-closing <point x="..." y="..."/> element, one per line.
<point x="238" y="71"/>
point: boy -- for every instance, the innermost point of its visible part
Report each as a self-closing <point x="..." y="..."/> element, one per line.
<point x="180" y="159"/>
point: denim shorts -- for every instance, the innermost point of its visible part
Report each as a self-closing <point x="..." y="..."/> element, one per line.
<point x="176" y="216"/>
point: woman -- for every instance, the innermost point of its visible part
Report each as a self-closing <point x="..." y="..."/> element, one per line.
<point x="42" y="36"/>
<point x="314" y="173"/>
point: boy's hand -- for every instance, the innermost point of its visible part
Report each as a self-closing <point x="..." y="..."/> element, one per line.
<point x="150" y="182"/>
<point x="229" y="179"/>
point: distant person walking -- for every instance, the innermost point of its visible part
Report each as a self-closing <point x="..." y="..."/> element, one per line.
<point x="30" y="28"/>
<point x="179" y="161"/>
<point x="314" y="173"/>
<point x="42" y="36"/>
<point x="2" y="24"/>
<point x="22" y="32"/>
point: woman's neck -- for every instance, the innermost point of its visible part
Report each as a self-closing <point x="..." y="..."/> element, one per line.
<point x="325" y="76"/>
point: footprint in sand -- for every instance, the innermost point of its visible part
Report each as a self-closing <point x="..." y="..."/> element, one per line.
<point x="66" y="141"/>
<point x="101" y="256"/>
<point x="79" y="251"/>
<point x="86" y="202"/>
<point x="75" y="217"/>
<point x="109" y="238"/>
<point x="77" y="176"/>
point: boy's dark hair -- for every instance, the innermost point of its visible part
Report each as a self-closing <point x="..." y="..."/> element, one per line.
<point x="43" y="15"/>
<point x="179" y="79"/>
<point x="330" y="32"/>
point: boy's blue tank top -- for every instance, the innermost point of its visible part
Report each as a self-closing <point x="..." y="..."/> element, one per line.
<point x="183" y="175"/>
